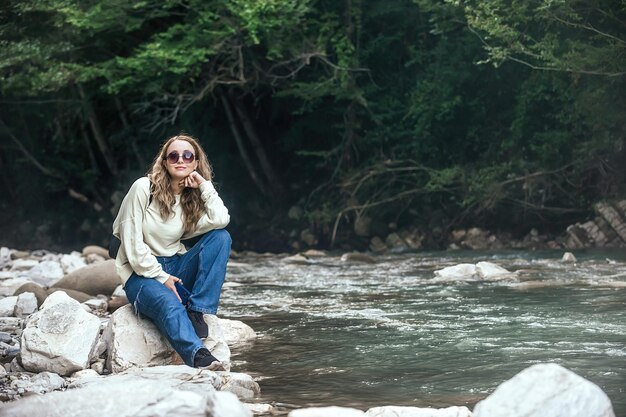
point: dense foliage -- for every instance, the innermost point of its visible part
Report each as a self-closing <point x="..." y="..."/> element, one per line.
<point x="502" y="113"/>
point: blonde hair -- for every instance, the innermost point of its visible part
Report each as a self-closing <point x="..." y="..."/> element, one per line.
<point x="190" y="199"/>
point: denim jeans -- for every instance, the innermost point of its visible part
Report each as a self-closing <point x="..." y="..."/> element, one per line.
<point x="202" y="270"/>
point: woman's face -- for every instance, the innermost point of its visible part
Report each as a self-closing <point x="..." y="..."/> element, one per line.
<point x="180" y="159"/>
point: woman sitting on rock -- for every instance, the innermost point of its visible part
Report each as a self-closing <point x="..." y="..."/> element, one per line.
<point x="163" y="280"/>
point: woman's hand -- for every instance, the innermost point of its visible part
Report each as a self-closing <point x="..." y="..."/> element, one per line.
<point x="192" y="180"/>
<point x="171" y="284"/>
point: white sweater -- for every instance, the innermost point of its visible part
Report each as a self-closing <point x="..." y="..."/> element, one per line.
<point x="144" y="234"/>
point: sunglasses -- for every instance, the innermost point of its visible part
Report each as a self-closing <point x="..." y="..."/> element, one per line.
<point x="173" y="157"/>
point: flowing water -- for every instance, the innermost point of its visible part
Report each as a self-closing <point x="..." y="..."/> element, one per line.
<point x="390" y="333"/>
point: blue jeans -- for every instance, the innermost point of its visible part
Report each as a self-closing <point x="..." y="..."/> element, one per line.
<point x="202" y="270"/>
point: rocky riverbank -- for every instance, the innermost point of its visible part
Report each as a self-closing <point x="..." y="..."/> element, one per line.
<point x="71" y="345"/>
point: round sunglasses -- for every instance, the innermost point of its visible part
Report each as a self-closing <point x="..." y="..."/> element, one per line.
<point x="174" y="156"/>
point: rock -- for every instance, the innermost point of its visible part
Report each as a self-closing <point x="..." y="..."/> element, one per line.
<point x="296" y="259"/>
<point x="5" y="257"/>
<point x="5" y="337"/>
<point x="24" y="264"/>
<point x="491" y="271"/>
<point x="225" y="404"/>
<point x="46" y="382"/>
<point x="258" y="409"/>
<point x="327" y="412"/>
<point x="568" y="257"/>
<point x="79" y="296"/>
<point x="85" y="373"/>
<point x="92" y="258"/>
<point x="72" y="262"/>
<point x="119" y="291"/>
<point x="26" y="304"/>
<point x="362" y="226"/>
<point x="117" y="302"/>
<point x="97" y="305"/>
<point x="7" y="306"/>
<point x="546" y="390"/>
<point x="12" y="325"/>
<point x="216" y="342"/>
<point x="357" y="257"/>
<point x="96" y="250"/>
<point x="40" y="293"/>
<point x="8" y="286"/>
<point x="394" y="411"/>
<point x="94" y="279"/>
<point x="240" y="384"/>
<point x="60" y="337"/>
<point x="313" y="253"/>
<point x="8" y="352"/>
<point x="134" y="341"/>
<point x="45" y="273"/>
<point x="109" y="398"/>
<point x="236" y="331"/>
<point x="460" y="271"/>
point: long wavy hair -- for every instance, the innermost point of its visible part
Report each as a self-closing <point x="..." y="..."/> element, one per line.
<point x="190" y="199"/>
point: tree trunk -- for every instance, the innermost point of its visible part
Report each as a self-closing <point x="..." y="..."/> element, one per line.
<point x="241" y="146"/>
<point x="275" y="184"/>
<point x="97" y="131"/>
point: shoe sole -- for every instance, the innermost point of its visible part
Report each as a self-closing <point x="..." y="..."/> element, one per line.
<point x="214" y="366"/>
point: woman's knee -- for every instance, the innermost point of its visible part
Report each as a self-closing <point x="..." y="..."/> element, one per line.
<point x="219" y="238"/>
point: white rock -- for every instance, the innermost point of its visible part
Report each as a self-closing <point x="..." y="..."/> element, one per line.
<point x="7" y="306"/>
<point x="491" y="271"/>
<point x="7" y="275"/>
<point x="45" y="273"/>
<point x="546" y="390"/>
<point x="394" y="411"/>
<point x="8" y="286"/>
<point x="60" y="337"/>
<point x="134" y="341"/>
<point x="72" y="262"/>
<point x="216" y="341"/>
<point x="26" y="304"/>
<point x="568" y="257"/>
<point x="46" y="382"/>
<point x="97" y="305"/>
<point x="5" y="257"/>
<point x="327" y="412"/>
<point x="24" y="264"/>
<point x="236" y="331"/>
<point x="108" y="398"/>
<point x="460" y="271"/>
<point x="85" y="373"/>
<point x="256" y="408"/>
<point x="225" y="404"/>
<point x="119" y="292"/>
<point x="242" y="385"/>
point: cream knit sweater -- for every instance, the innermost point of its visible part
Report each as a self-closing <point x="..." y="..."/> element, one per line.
<point x="144" y="234"/>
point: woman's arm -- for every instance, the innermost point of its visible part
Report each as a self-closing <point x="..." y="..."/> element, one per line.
<point x="216" y="214"/>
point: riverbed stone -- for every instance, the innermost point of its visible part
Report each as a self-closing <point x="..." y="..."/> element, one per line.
<point x="225" y="404"/>
<point x="11" y="325"/>
<point x="95" y="250"/>
<point x="108" y="398"/>
<point x="60" y="337"/>
<point x="71" y="262"/>
<point x="457" y="272"/>
<point x="332" y="411"/>
<point x="396" y="411"/>
<point x="546" y="389"/>
<point x="94" y="279"/>
<point x="134" y="341"/>
<point x="568" y="257"/>
<point x="216" y="341"/>
<point x="236" y="332"/>
<point x="26" y="304"/>
<point x="7" y="306"/>
<point x="490" y="271"/>
<point x="45" y="273"/>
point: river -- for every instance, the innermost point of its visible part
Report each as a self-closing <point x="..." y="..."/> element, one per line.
<point x="389" y="333"/>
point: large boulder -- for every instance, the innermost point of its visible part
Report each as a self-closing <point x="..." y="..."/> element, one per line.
<point x="395" y="411"/>
<point x="94" y="279"/>
<point x="236" y="332"/>
<point x="546" y="390"/>
<point x="332" y="411"/>
<point x="134" y="341"/>
<point x="60" y="337"/>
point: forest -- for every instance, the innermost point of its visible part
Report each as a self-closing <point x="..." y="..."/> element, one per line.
<point x="316" y="114"/>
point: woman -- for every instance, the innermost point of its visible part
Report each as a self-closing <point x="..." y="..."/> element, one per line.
<point x="173" y="286"/>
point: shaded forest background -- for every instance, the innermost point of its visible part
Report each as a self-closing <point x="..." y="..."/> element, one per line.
<point x="425" y="114"/>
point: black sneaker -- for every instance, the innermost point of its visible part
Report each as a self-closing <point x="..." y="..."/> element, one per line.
<point x="199" y="325"/>
<point x="205" y="360"/>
